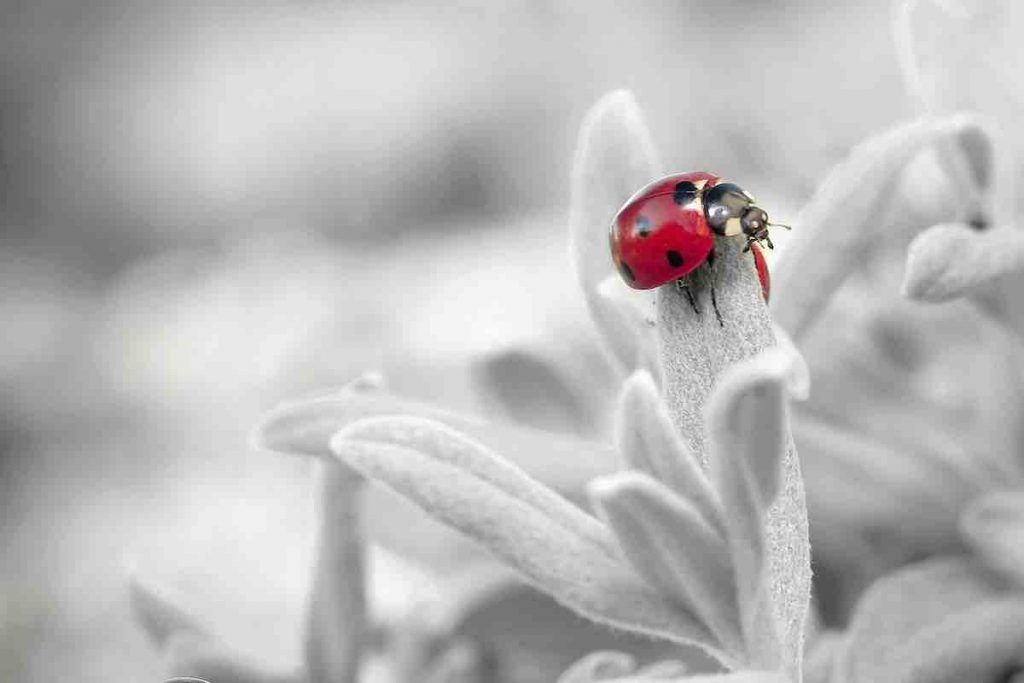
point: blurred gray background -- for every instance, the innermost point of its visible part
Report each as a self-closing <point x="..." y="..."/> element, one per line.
<point x="209" y="207"/>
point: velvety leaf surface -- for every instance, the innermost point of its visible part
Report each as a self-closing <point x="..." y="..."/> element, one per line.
<point x="695" y="350"/>
<point x="544" y="543"/>
<point x="669" y="542"/>
<point x="748" y="427"/>
<point x="305" y="426"/>
<point x="649" y="443"/>
<point x="447" y="446"/>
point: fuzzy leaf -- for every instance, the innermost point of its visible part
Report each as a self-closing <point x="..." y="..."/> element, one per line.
<point x="200" y="657"/>
<point x="614" y="157"/>
<point x="695" y="349"/>
<point x="306" y="427"/>
<point x="849" y="212"/>
<point x="896" y="609"/>
<point x="160" y="611"/>
<point x="447" y="446"/>
<point x="748" y="427"/>
<point x="336" y="620"/>
<point x="952" y="260"/>
<point x="575" y="569"/>
<point x="669" y="541"/>
<point x="994" y="526"/>
<point x="648" y="442"/>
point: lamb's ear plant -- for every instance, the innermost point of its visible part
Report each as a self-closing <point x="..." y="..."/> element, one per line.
<point x="704" y="541"/>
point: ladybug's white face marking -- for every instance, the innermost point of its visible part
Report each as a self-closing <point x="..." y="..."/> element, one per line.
<point x="725" y="204"/>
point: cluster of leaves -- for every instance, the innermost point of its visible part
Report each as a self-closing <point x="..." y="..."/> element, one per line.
<point x="691" y="530"/>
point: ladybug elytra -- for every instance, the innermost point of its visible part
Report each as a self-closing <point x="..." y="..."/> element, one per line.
<point x="667" y="230"/>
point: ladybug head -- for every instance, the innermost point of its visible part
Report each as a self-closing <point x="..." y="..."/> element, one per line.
<point x="730" y="210"/>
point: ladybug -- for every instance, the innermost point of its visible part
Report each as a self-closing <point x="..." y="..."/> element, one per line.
<point x="667" y="230"/>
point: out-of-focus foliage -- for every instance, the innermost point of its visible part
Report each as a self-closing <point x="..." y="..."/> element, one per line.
<point x="208" y="207"/>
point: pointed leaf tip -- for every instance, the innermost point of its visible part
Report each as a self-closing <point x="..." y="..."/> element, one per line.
<point x="302" y="425"/>
<point x="748" y="421"/>
<point x="615" y="156"/>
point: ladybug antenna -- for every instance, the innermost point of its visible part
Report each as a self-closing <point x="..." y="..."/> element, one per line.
<point x="780" y="225"/>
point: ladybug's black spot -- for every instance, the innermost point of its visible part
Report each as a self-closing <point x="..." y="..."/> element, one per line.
<point x="674" y="258"/>
<point x="626" y="272"/>
<point x="643" y="226"/>
<point x="685" y="193"/>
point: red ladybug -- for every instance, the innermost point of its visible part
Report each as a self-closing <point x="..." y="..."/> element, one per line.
<point x="667" y="230"/>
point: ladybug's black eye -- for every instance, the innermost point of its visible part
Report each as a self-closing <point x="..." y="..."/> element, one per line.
<point x="723" y="202"/>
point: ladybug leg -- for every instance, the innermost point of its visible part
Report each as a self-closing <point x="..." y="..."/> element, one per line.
<point x="714" y="302"/>
<point x="684" y="286"/>
<point x="714" y="276"/>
